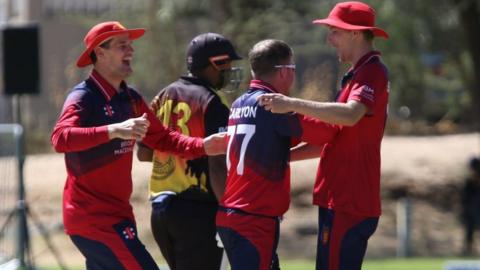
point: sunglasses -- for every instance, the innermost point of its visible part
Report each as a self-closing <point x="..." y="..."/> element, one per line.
<point x="290" y="66"/>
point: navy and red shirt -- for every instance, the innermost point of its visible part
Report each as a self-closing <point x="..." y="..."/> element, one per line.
<point x="99" y="182"/>
<point x="348" y="177"/>
<point x="258" y="153"/>
<point x="190" y="106"/>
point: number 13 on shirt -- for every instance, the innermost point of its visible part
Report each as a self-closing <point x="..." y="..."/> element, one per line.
<point x="235" y="133"/>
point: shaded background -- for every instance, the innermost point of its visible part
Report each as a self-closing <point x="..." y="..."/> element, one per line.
<point x="433" y="56"/>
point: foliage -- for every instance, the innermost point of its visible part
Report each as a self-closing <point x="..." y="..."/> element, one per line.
<point x="424" y="57"/>
<point x="430" y="64"/>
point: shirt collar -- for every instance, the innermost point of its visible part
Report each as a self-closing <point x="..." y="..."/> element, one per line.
<point x="351" y="72"/>
<point x="259" y="84"/>
<point x="105" y="87"/>
<point x="365" y="59"/>
<point x="198" y="81"/>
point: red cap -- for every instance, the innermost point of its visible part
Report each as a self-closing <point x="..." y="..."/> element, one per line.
<point x="101" y="32"/>
<point x="353" y="16"/>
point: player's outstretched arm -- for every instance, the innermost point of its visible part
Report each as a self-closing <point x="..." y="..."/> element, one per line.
<point x="218" y="174"/>
<point x="215" y="144"/>
<point x="305" y="151"/>
<point x="276" y="103"/>
<point x="346" y="114"/>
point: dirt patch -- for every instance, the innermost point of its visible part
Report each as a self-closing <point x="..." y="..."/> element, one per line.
<point x="430" y="169"/>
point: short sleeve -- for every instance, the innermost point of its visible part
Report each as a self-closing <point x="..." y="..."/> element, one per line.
<point x="216" y="117"/>
<point x="287" y="124"/>
<point x="368" y="85"/>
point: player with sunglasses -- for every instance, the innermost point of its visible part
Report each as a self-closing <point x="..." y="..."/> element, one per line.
<point x="347" y="187"/>
<point x="257" y="192"/>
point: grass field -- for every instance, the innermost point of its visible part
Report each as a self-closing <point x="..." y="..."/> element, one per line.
<point x="383" y="264"/>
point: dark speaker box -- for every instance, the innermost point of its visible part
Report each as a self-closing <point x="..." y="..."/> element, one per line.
<point x="20" y="59"/>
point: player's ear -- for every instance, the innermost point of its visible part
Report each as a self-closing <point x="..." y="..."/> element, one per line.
<point x="98" y="52"/>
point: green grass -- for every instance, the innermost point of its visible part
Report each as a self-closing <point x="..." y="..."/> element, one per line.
<point x="380" y="264"/>
<point x="405" y="264"/>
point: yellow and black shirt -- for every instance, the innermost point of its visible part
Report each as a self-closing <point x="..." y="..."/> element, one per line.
<point x="190" y="106"/>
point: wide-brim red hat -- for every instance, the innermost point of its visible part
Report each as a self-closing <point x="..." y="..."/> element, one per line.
<point x="100" y="33"/>
<point x="353" y="15"/>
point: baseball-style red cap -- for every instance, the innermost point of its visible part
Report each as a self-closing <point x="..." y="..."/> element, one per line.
<point x="100" y="33"/>
<point x="353" y="15"/>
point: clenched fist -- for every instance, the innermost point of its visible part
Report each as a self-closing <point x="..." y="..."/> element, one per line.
<point x="276" y="103"/>
<point x="133" y="128"/>
<point x="215" y="144"/>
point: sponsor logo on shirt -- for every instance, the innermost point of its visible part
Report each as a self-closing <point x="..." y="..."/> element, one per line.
<point x="367" y="93"/>
<point x="125" y="147"/>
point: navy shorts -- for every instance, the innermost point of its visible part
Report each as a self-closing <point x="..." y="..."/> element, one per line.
<point x="116" y="247"/>
<point x="250" y="241"/>
<point x="342" y="239"/>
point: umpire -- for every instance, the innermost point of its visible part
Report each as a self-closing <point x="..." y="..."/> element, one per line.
<point x="184" y="193"/>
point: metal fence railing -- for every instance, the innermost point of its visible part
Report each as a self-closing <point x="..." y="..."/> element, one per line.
<point x="13" y="237"/>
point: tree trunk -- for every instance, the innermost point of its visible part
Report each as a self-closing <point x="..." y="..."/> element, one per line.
<point x="469" y="15"/>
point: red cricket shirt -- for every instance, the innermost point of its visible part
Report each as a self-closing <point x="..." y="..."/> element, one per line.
<point x="99" y="181"/>
<point x="348" y="176"/>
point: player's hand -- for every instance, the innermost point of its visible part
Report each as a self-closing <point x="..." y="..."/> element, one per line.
<point x="155" y="104"/>
<point x="276" y="103"/>
<point x="133" y="128"/>
<point x="215" y="144"/>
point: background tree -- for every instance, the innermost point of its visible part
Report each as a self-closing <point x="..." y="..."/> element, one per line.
<point x="432" y="53"/>
<point x="469" y="14"/>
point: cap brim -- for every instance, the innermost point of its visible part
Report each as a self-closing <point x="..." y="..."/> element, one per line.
<point x="85" y="60"/>
<point x="342" y="25"/>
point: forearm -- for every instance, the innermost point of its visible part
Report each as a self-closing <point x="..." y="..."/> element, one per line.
<point x="144" y="153"/>
<point x="175" y="143"/>
<point x="305" y="151"/>
<point x="161" y="138"/>
<point x="218" y="175"/>
<point x="69" y="134"/>
<point x="73" y="139"/>
<point x="329" y="112"/>
<point x="317" y="132"/>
